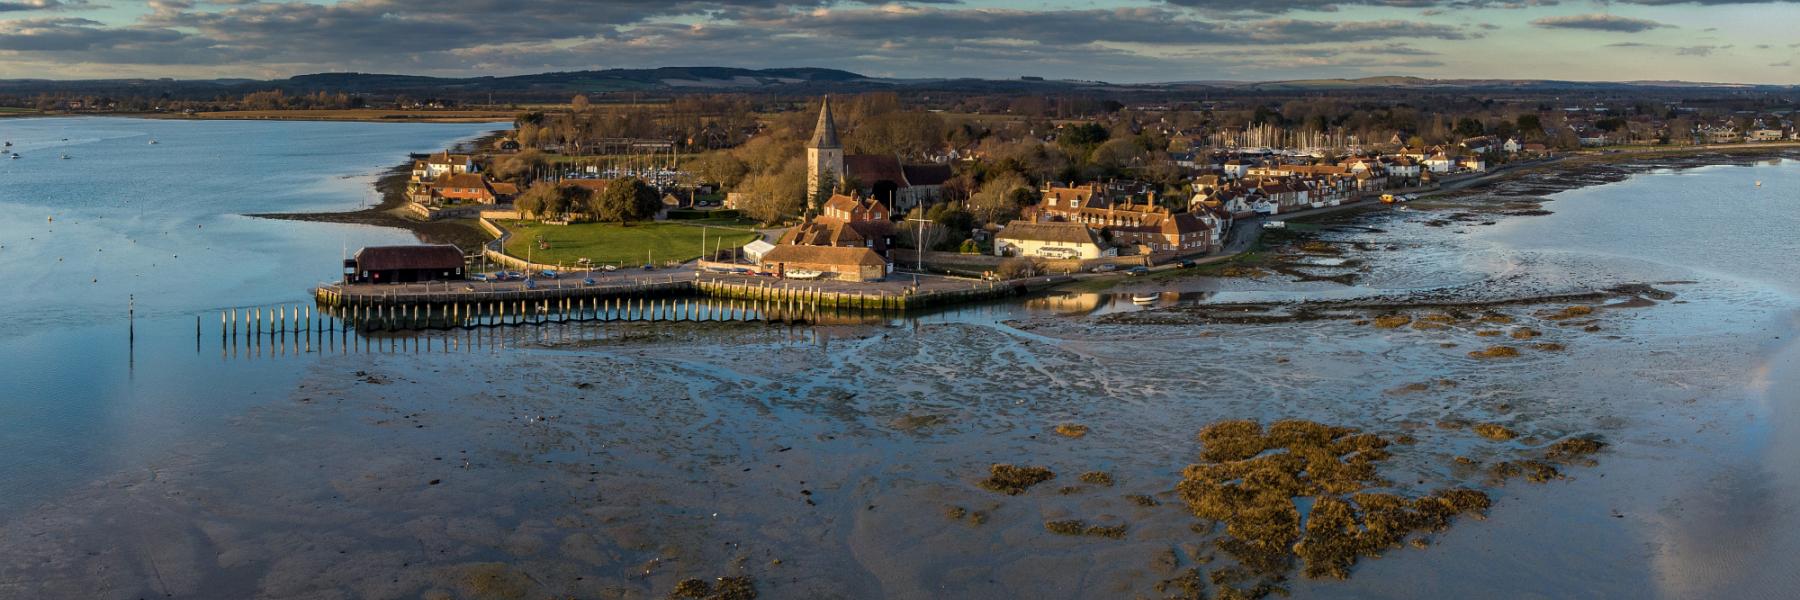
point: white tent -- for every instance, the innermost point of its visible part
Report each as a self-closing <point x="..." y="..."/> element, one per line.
<point x="755" y="250"/>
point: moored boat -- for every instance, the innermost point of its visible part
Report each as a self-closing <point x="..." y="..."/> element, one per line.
<point x="803" y="274"/>
<point x="1144" y="298"/>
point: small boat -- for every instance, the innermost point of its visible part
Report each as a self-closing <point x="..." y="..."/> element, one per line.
<point x="588" y="281"/>
<point x="9" y="144"/>
<point x="1144" y="298"/>
<point x="478" y="277"/>
<point x="153" y="142"/>
<point x="803" y="274"/>
<point x="551" y="274"/>
<point x="1759" y="184"/>
<point x="609" y="268"/>
<point x="65" y="157"/>
<point x="15" y="155"/>
<point x="530" y="285"/>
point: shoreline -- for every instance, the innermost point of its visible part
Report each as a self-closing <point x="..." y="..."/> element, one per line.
<point x="309" y="116"/>
<point x="390" y="212"/>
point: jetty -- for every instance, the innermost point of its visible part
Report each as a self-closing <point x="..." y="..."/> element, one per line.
<point x="668" y="298"/>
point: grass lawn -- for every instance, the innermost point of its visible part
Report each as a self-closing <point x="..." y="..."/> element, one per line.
<point x="607" y="243"/>
<point x="15" y="109"/>
<point x="739" y="222"/>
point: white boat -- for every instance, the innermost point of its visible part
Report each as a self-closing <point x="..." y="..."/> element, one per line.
<point x="1759" y="184"/>
<point x="15" y="155"/>
<point x="803" y="274"/>
<point x="153" y="142"/>
<point x="65" y="157"/>
<point x="1144" y="298"/>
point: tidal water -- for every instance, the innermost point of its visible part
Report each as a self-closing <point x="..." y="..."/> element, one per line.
<point x="1693" y="500"/>
<point x="122" y="223"/>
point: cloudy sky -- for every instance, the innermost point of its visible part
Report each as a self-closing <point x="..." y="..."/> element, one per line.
<point x="1744" y="41"/>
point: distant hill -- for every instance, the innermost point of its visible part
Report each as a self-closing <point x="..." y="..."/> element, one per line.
<point x="1395" y="81"/>
<point x="609" y="80"/>
<point x="559" y="86"/>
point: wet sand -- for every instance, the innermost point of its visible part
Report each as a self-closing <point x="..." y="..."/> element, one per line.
<point x="845" y="461"/>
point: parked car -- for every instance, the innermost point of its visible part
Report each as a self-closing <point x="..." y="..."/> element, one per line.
<point x="1184" y="263"/>
<point x="1106" y="268"/>
<point x="1138" y="271"/>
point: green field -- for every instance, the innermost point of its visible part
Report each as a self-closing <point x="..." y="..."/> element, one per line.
<point x="608" y="243"/>
<point x="15" y="109"/>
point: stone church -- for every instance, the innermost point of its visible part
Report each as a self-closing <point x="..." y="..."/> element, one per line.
<point x="883" y="178"/>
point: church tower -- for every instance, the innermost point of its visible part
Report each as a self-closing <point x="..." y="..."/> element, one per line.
<point x="824" y="154"/>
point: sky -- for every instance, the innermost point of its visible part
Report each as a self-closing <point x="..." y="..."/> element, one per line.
<point x="1118" y="41"/>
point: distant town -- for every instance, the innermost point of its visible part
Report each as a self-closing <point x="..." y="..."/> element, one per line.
<point x="852" y="188"/>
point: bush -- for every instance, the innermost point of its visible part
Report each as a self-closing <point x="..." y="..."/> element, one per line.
<point x="688" y="214"/>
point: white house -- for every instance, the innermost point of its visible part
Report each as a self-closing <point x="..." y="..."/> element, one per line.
<point x="1438" y="163"/>
<point x="1512" y="145"/>
<point x="1050" y="240"/>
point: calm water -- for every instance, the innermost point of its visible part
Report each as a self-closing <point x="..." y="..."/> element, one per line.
<point x="159" y="223"/>
<point x="123" y="219"/>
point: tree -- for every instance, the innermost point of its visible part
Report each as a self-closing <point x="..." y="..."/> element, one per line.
<point x="1080" y="140"/>
<point x="1530" y="127"/>
<point x="773" y="197"/>
<point x="999" y="198"/>
<point x="1118" y="153"/>
<point x="1611" y="123"/>
<point x="626" y="199"/>
<point x="579" y="103"/>
<point x="822" y="190"/>
<point x="1504" y="130"/>
<point x="1467" y="127"/>
<point x="522" y="166"/>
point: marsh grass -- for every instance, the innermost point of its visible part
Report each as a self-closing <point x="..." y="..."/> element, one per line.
<point x="1571" y="313"/>
<point x="691" y="588"/>
<point x="1496" y="352"/>
<point x="1096" y="478"/>
<point x="1251" y="479"/>
<point x="1392" y="321"/>
<point x="1573" y="447"/>
<point x="735" y="588"/>
<point x="1495" y="318"/>
<point x="1537" y="472"/>
<point x="1428" y="325"/>
<point x="1490" y="333"/>
<point x="1495" y="432"/>
<point x="1070" y="527"/>
<point x="1012" y="481"/>
<point x="1525" y="333"/>
<point x="1142" y="500"/>
<point x="1548" y="347"/>
<point x="954" y="512"/>
<point x="1073" y="431"/>
<point x="1116" y="532"/>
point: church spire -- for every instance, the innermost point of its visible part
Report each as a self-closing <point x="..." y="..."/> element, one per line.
<point x="825" y="135"/>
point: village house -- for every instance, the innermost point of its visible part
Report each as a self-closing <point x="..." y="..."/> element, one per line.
<point x="1061" y="240"/>
<point x="438" y="165"/>
<point x="845" y="222"/>
<point x="847" y="264"/>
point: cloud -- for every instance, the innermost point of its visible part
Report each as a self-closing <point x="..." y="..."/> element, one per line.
<point x="1785" y="63"/>
<point x="1599" y="22"/>
<point x="1626" y="44"/>
<point x="1395" y="48"/>
<point x="1698" y="50"/>
<point x="489" y="37"/>
<point x="1762" y="46"/>
<point x="1224" y="8"/>
<point x="46" y="5"/>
